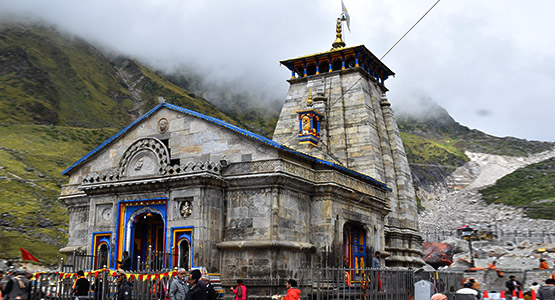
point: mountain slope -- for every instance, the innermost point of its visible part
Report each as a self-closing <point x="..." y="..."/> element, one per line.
<point x="435" y="145"/>
<point x="531" y="187"/>
<point x="32" y="158"/>
<point x="60" y="97"/>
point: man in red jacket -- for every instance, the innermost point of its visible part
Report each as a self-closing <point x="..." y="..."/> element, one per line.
<point x="293" y="293"/>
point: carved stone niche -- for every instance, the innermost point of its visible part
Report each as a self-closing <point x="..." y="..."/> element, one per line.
<point x="185" y="206"/>
<point x="104" y="214"/>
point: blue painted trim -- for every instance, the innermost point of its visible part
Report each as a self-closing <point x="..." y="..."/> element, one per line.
<point x="108" y="141"/>
<point x="110" y="249"/>
<point x="192" y="243"/>
<point x="234" y="128"/>
<point x="117" y="235"/>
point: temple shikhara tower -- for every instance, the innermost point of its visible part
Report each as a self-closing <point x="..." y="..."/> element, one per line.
<point x="353" y="125"/>
<point x="177" y="188"/>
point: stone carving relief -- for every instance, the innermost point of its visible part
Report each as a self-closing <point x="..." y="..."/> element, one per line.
<point x="104" y="213"/>
<point x="186" y="208"/>
<point x="147" y="156"/>
<point x="163" y="125"/>
<point x="142" y="163"/>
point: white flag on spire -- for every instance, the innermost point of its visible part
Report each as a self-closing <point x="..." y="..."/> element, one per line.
<point x="345" y="16"/>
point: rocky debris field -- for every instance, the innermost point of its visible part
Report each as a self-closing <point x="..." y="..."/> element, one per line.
<point x="446" y="210"/>
<point x="463" y="205"/>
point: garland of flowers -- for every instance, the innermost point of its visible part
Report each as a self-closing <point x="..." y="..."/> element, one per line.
<point x="141" y="277"/>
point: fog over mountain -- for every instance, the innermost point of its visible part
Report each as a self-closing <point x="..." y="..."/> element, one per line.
<point x="490" y="64"/>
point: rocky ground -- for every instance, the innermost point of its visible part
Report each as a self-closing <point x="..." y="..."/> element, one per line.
<point x="446" y="209"/>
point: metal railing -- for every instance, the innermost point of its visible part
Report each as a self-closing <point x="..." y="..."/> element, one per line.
<point x="155" y="261"/>
<point x="371" y="284"/>
<point x="58" y="286"/>
<point x="315" y="284"/>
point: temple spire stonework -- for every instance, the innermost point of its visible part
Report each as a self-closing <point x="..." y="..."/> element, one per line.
<point x="358" y="131"/>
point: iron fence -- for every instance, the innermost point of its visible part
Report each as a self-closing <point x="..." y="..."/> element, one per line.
<point x="371" y="284"/>
<point x="315" y="284"/>
<point x="59" y="286"/>
<point x="154" y="261"/>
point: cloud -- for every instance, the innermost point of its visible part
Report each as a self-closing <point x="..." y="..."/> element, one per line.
<point x="469" y="56"/>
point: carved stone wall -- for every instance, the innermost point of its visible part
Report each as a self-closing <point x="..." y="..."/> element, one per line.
<point x="359" y="132"/>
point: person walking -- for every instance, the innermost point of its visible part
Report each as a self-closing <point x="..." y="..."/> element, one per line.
<point x="178" y="287"/>
<point x="467" y="289"/>
<point x="512" y="284"/>
<point x="547" y="291"/>
<point x="240" y="290"/>
<point x="81" y="286"/>
<point x="475" y="284"/>
<point x="125" y="289"/>
<point x="293" y="293"/>
<point x="18" y="288"/>
<point x="195" y="290"/>
<point x="210" y="291"/>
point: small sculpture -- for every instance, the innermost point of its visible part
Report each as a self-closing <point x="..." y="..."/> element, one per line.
<point x="185" y="209"/>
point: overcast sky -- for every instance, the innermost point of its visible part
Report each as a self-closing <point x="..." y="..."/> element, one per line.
<point x="491" y="63"/>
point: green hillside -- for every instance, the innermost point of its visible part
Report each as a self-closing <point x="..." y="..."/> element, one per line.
<point x="49" y="78"/>
<point x="32" y="158"/>
<point x="60" y="98"/>
<point x="531" y="187"/>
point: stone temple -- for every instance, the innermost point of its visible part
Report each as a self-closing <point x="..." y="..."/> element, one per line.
<point x="332" y="187"/>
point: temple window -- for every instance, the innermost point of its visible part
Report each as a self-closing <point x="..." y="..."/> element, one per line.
<point x="300" y="71"/>
<point x="337" y="64"/>
<point x="324" y="67"/>
<point x="311" y="70"/>
<point x="350" y="63"/>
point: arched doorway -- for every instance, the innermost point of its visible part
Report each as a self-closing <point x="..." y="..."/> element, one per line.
<point x="147" y="238"/>
<point x="184" y="254"/>
<point x="102" y="252"/>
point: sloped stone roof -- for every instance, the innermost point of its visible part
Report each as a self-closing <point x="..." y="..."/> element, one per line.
<point x="231" y="127"/>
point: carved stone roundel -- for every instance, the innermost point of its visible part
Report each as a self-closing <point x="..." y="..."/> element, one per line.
<point x="107" y="214"/>
<point x="163" y="125"/>
<point x="147" y="156"/>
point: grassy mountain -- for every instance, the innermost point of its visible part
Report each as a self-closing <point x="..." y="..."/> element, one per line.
<point x="60" y="97"/>
<point x="531" y="187"/>
<point x="31" y="160"/>
<point x="435" y="144"/>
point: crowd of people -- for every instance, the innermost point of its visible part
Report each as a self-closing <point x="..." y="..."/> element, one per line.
<point x="544" y="291"/>
<point x="16" y="285"/>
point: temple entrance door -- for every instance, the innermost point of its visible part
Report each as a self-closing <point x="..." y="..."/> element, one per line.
<point x="183" y="257"/>
<point x="102" y="261"/>
<point x="147" y="231"/>
<point x="354" y="248"/>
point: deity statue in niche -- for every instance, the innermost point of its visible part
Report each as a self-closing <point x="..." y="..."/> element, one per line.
<point x="186" y="209"/>
<point x="306" y="124"/>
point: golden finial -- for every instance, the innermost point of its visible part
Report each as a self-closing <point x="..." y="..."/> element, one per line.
<point x="339" y="43"/>
<point x="309" y="100"/>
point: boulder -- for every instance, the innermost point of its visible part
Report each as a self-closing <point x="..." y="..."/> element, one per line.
<point x="524" y="244"/>
<point x="437" y="254"/>
<point x="459" y="246"/>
